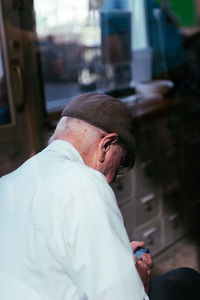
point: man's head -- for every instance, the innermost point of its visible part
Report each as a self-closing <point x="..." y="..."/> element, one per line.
<point x="101" y="128"/>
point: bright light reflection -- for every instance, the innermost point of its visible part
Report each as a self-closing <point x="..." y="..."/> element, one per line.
<point x="54" y="13"/>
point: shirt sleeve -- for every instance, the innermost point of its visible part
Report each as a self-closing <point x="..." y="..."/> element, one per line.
<point x="102" y="260"/>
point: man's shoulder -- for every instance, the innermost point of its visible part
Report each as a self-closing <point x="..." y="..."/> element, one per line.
<point x="79" y="180"/>
<point x="82" y="175"/>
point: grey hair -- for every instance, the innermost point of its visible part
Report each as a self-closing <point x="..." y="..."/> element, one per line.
<point x="61" y="126"/>
<point x="90" y="132"/>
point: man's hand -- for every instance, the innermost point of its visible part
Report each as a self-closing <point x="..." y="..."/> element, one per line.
<point x="143" y="265"/>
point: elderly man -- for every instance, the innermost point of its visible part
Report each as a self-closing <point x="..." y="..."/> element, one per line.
<point x="61" y="233"/>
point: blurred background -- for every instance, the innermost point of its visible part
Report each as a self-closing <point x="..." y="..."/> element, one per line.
<point x="145" y="52"/>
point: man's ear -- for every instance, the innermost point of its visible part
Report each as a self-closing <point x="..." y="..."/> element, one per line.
<point x="105" y="144"/>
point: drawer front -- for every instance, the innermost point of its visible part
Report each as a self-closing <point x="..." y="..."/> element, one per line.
<point x="128" y="213"/>
<point x="171" y="164"/>
<point x="122" y="188"/>
<point x="173" y="197"/>
<point x="145" y="138"/>
<point x="174" y="227"/>
<point x="145" y="176"/>
<point x="152" y="236"/>
<point x="147" y="207"/>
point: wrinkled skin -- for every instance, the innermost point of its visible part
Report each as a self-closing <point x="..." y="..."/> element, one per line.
<point x="144" y="265"/>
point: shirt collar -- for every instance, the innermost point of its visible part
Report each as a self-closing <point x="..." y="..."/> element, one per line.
<point x="66" y="149"/>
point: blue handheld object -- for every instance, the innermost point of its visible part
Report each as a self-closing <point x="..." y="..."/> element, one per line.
<point x="141" y="250"/>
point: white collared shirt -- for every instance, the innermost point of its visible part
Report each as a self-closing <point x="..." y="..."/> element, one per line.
<point x="62" y="235"/>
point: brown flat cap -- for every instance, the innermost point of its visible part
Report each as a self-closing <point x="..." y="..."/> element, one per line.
<point x="107" y="113"/>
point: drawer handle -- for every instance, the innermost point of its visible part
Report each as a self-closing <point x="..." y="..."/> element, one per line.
<point x="175" y="220"/>
<point x="147" y="198"/>
<point x="149" y="236"/>
<point x="147" y="202"/>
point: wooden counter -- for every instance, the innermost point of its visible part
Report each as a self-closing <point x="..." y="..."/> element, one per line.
<point x="143" y="109"/>
<point x="155" y="106"/>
